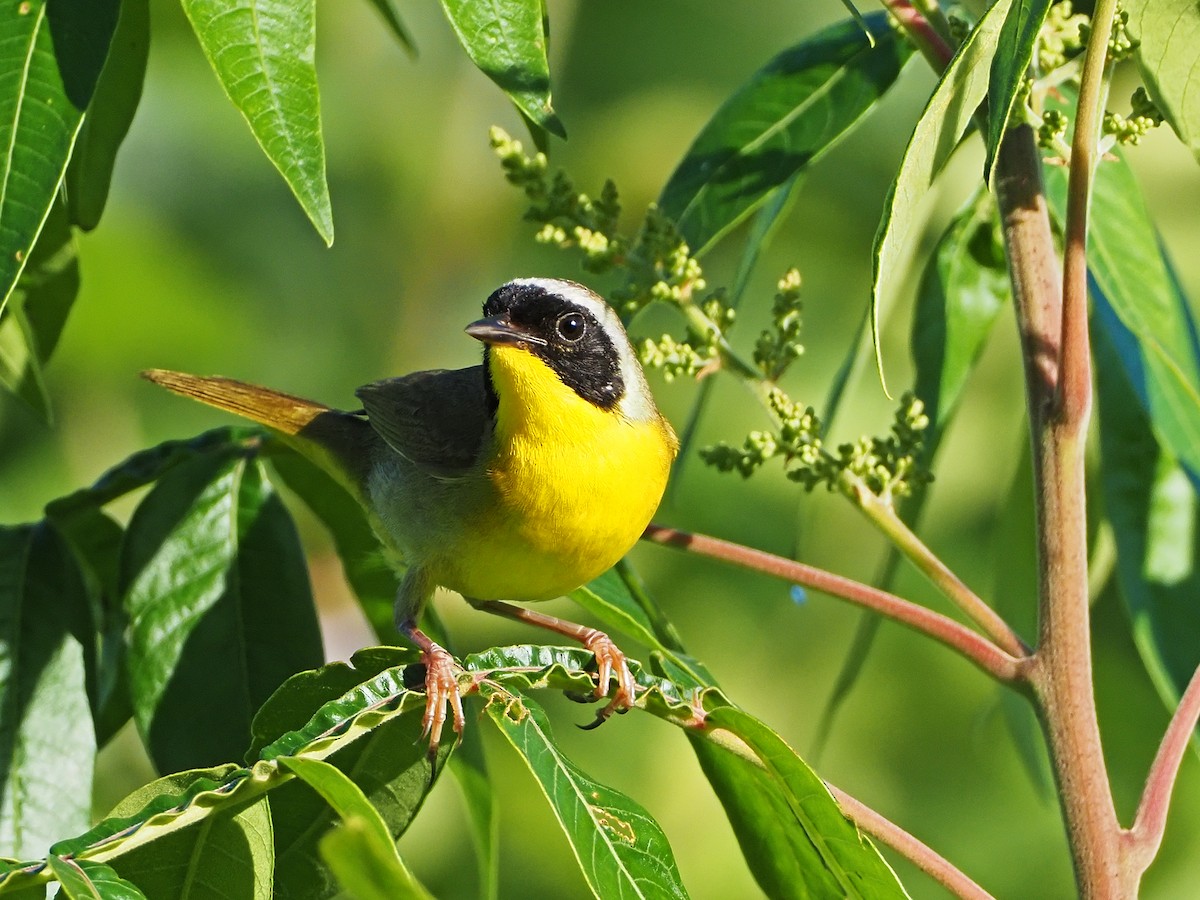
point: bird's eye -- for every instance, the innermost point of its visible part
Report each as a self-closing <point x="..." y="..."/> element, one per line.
<point x="571" y="326"/>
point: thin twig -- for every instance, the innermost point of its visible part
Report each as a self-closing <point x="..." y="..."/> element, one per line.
<point x="884" y="516"/>
<point x="1073" y="399"/>
<point x="926" y="859"/>
<point x="1146" y="835"/>
<point x="921" y="32"/>
<point x="978" y="649"/>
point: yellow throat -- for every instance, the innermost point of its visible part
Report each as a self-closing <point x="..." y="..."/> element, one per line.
<point x="575" y="484"/>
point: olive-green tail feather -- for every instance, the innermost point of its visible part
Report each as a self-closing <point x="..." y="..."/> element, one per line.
<point x="339" y="442"/>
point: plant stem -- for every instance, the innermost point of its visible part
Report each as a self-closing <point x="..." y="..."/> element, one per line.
<point x="921" y="32"/>
<point x="1052" y="315"/>
<point x="978" y="649"/>
<point x="1145" y="837"/>
<point x="884" y="516"/>
<point x="926" y="859"/>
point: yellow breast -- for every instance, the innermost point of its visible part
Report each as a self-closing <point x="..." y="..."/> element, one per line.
<point x="575" y="485"/>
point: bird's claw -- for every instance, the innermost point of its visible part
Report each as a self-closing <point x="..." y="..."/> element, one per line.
<point x="610" y="661"/>
<point x="441" y="690"/>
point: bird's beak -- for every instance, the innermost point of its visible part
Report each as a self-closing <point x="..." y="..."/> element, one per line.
<point x="500" y="330"/>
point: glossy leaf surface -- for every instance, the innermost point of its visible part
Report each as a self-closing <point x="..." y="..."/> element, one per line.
<point x="263" y="52"/>
<point x="1010" y="67"/>
<point x="621" y="850"/>
<point x="219" y="605"/>
<point x="788" y="114"/>
<point x="51" y="54"/>
<point x="946" y="117"/>
<point x="361" y="851"/>
<point x="32" y="322"/>
<point x="109" y="116"/>
<point x="506" y="39"/>
<point x="1169" y="31"/>
<point x="47" y="744"/>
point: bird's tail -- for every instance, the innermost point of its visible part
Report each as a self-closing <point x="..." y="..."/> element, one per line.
<point x="338" y="442"/>
<point x="275" y="409"/>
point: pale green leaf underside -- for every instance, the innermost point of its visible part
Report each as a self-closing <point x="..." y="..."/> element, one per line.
<point x="621" y="850"/>
<point x="506" y="39"/>
<point x="946" y="118"/>
<point x="263" y="53"/>
<point x="1169" y="60"/>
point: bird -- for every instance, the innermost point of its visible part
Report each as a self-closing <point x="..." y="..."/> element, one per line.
<point x="513" y="481"/>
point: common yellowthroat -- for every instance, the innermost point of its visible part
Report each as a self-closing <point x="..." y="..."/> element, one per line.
<point x="517" y="480"/>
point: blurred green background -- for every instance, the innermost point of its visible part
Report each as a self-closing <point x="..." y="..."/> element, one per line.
<point x="204" y="263"/>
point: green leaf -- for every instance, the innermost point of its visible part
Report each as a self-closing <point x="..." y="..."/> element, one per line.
<point x="226" y="852"/>
<point x="22" y="887"/>
<point x="96" y="541"/>
<point x="620" y="848"/>
<point x="390" y="11"/>
<point x="47" y="744"/>
<point x="263" y="53"/>
<point x="85" y="879"/>
<point x="198" y="834"/>
<point x="506" y="39"/>
<point x="788" y="114"/>
<point x="33" y="320"/>
<point x="372" y="867"/>
<point x="335" y="787"/>
<point x="470" y="770"/>
<point x="1014" y="53"/>
<point x="1152" y="505"/>
<point x="368" y="724"/>
<point x="366" y="568"/>
<point x="220" y="609"/>
<point x="775" y="848"/>
<point x="368" y="866"/>
<point x="609" y="599"/>
<point x="109" y="115"/>
<point x="75" y="883"/>
<point x="386" y="756"/>
<point x="51" y="55"/>
<point x="1169" y="31"/>
<point x="302" y="696"/>
<point x="946" y="117"/>
<point x="794" y="835"/>
<point x="963" y="290"/>
<point x="173" y="801"/>
<point x="147" y="466"/>
<point x="1150" y="323"/>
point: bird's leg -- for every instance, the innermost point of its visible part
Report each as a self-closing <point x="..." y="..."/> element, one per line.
<point x="441" y="671"/>
<point x="610" y="660"/>
<point x="441" y="686"/>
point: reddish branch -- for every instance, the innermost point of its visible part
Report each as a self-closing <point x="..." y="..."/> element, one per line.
<point x="973" y="646"/>
<point x="1145" y="837"/>
<point x="928" y="860"/>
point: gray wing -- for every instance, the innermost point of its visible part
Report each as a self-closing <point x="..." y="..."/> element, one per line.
<point x="438" y="420"/>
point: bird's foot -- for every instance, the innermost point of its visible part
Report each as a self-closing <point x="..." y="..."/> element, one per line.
<point x="441" y="690"/>
<point x="610" y="662"/>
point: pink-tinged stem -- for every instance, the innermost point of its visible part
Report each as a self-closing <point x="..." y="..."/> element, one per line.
<point x="1145" y="837"/>
<point x="920" y="30"/>
<point x="978" y="649"/>
<point x="927" y="860"/>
